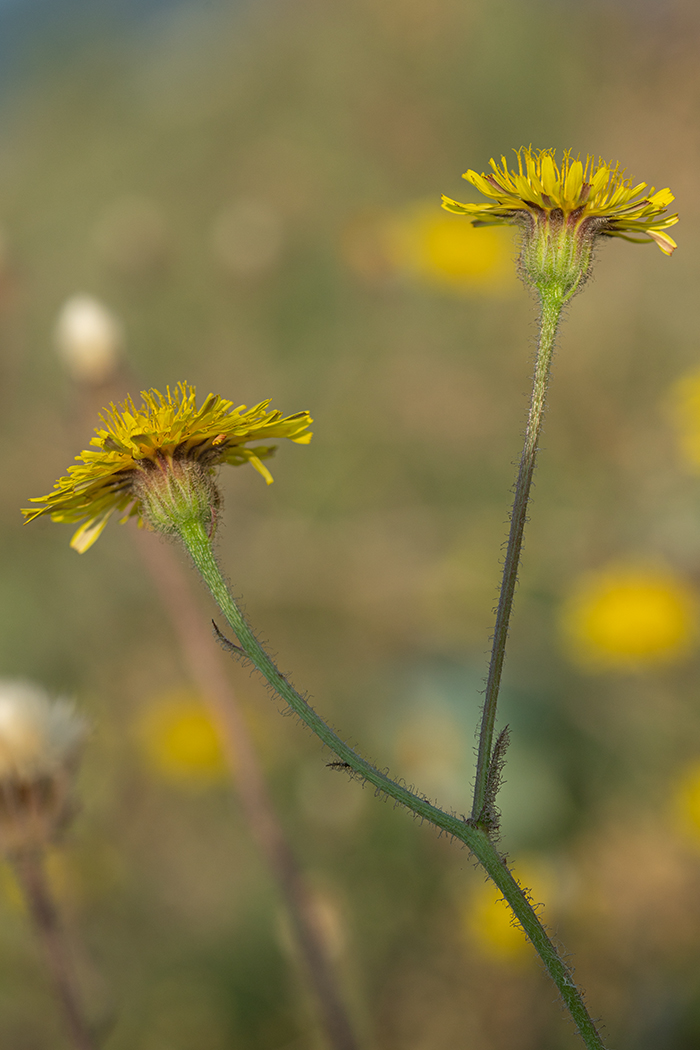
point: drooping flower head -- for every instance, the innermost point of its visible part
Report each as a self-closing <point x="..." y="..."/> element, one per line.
<point x="158" y="460"/>
<point x="563" y="208"/>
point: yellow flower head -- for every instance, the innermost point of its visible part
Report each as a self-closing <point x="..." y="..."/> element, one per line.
<point x="593" y="199"/>
<point x="628" y="618"/>
<point x="168" y="434"/>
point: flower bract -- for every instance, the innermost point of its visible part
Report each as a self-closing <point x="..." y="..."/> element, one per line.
<point x="165" y="432"/>
<point x="581" y="193"/>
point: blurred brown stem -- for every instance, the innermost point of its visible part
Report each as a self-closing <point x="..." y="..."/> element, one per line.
<point x="205" y="665"/>
<point x="32" y="878"/>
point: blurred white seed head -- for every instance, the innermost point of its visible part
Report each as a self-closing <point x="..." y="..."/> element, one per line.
<point x="88" y="339"/>
<point x="40" y="744"/>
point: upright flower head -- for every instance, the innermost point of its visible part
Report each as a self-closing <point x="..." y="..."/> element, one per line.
<point x="563" y="208"/>
<point x="40" y="743"/>
<point x="157" y="461"/>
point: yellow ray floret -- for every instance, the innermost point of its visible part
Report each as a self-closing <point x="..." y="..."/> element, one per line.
<point x="592" y="190"/>
<point x="168" y="426"/>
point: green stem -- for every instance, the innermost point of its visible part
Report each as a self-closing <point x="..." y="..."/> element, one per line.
<point x="552" y="300"/>
<point x="199" y="546"/>
<point x="206" y="665"/>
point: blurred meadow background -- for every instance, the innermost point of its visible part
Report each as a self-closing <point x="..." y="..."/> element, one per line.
<point x="252" y="191"/>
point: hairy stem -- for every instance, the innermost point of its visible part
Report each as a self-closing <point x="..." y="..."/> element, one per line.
<point x="552" y="301"/>
<point x="205" y="662"/>
<point x="199" y="546"/>
<point x="32" y="879"/>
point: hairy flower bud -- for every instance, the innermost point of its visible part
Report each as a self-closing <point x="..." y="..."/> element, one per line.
<point x="175" y="492"/>
<point x="556" y="250"/>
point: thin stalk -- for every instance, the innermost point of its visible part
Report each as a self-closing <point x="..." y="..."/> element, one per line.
<point x="205" y="663"/>
<point x="199" y="546"/>
<point x="32" y="879"/>
<point x="552" y="301"/>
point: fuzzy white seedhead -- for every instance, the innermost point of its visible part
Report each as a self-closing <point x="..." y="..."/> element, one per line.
<point x="40" y="743"/>
<point x="89" y="339"/>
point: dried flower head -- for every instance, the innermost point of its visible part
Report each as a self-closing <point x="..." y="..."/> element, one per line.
<point x="563" y="208"/>
<point x="40" y="743"/>
<point x="158" y="461"/>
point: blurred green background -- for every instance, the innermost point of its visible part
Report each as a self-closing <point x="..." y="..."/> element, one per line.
<point x="248" y="188"/>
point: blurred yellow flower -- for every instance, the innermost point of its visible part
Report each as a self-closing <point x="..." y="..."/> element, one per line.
<point x="624" y="617"/>
<point x="685" y="413"/>
<point x="686" y="802"/>
<point x="489" y="923"/>
<point x="11" y="897"/>
<point x="431" y="246"/>
<point x="180" y="741"/>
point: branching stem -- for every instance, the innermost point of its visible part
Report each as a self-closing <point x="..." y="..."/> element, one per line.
<point x="199" y="546"/>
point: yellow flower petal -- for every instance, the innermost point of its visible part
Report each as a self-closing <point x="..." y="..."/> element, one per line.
<point x="88" y="533"/>
<point x="481" y="184"/>
<point x="665" y="243"/>
<point x="550" y="182"/>
<point x="574" y="182"/>
<point x="261" y="468"/>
